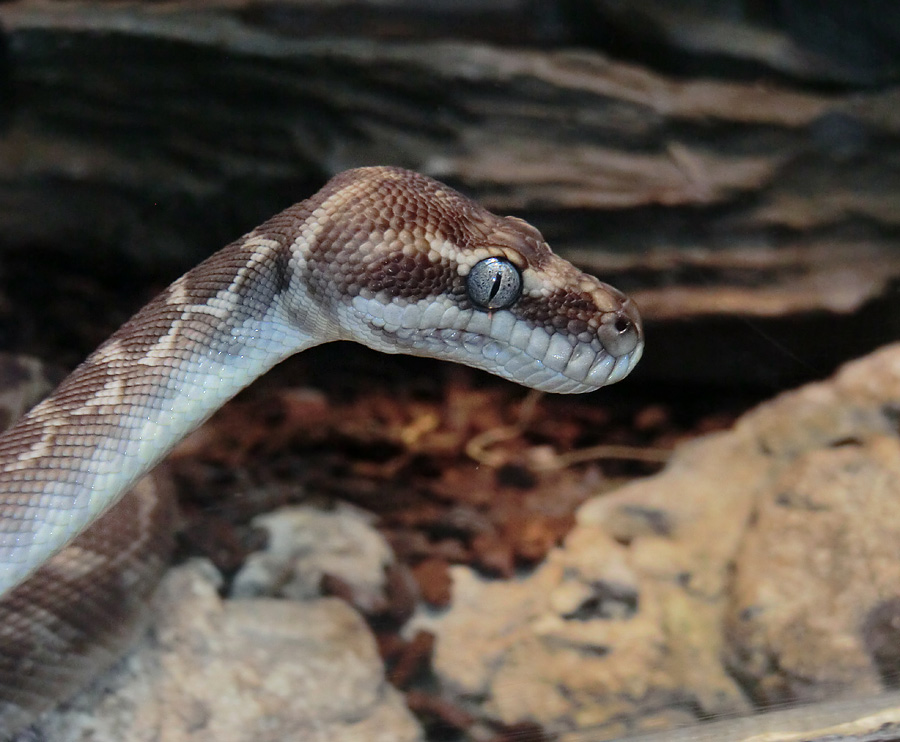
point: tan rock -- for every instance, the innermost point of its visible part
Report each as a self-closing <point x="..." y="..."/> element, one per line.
<point x="241" y="671"/>
<point x="307" y="543"/>
<point x="762" y="564"/>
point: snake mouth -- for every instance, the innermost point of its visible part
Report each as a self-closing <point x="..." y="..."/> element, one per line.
<point x="549" y="362"/>
<point x="546" y="359"/>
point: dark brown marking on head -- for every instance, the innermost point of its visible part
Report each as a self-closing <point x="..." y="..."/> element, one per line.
<point x="410" y="277"/>
<point x="564" y="309"/>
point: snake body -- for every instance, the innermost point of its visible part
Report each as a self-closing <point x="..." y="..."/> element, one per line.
<point x="383" y="256"/>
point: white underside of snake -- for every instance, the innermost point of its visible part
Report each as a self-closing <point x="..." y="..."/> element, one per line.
<point x="382" y="256"/>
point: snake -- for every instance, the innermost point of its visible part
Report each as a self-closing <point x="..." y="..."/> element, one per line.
<point x="382" y="256"/>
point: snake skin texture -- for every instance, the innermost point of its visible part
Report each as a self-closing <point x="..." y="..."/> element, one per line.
<point x="382" y="256"/>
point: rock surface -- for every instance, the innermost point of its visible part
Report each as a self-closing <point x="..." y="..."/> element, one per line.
<point x="762" y="565"/>
<point x="306" y="545"/>
<point x="240" y="671"/>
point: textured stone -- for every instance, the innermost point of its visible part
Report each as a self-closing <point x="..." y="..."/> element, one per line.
<point x="761" y="565"/>
<point x="240" y="671"/>
<point x="305" y="544"/>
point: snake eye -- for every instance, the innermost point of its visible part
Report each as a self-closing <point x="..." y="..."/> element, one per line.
<point x="494" y="283"/>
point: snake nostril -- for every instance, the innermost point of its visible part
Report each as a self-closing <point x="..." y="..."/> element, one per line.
<point x="619" y="336"/>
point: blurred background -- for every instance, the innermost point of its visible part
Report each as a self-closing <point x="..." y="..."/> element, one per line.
<point x="720" y="160"/>
<point x="733" y="165"/>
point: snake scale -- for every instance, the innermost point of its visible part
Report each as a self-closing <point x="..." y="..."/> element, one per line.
<point x="382" y="256"/>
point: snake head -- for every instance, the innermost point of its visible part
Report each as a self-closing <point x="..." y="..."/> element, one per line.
<point x="412" y="266"/>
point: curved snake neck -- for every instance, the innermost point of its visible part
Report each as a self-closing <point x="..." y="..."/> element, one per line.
<point x="382" y="256"/>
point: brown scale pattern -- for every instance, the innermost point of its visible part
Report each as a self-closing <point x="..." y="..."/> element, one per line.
<point x="569" y="310"/>
<point x="92" y="616"/>
<point x="408" y="276"/>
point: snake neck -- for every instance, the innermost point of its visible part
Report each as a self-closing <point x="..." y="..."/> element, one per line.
<point x="206" y="337"/>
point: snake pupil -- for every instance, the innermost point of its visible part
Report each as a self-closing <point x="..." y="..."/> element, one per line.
<point x="498" y="282"/>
